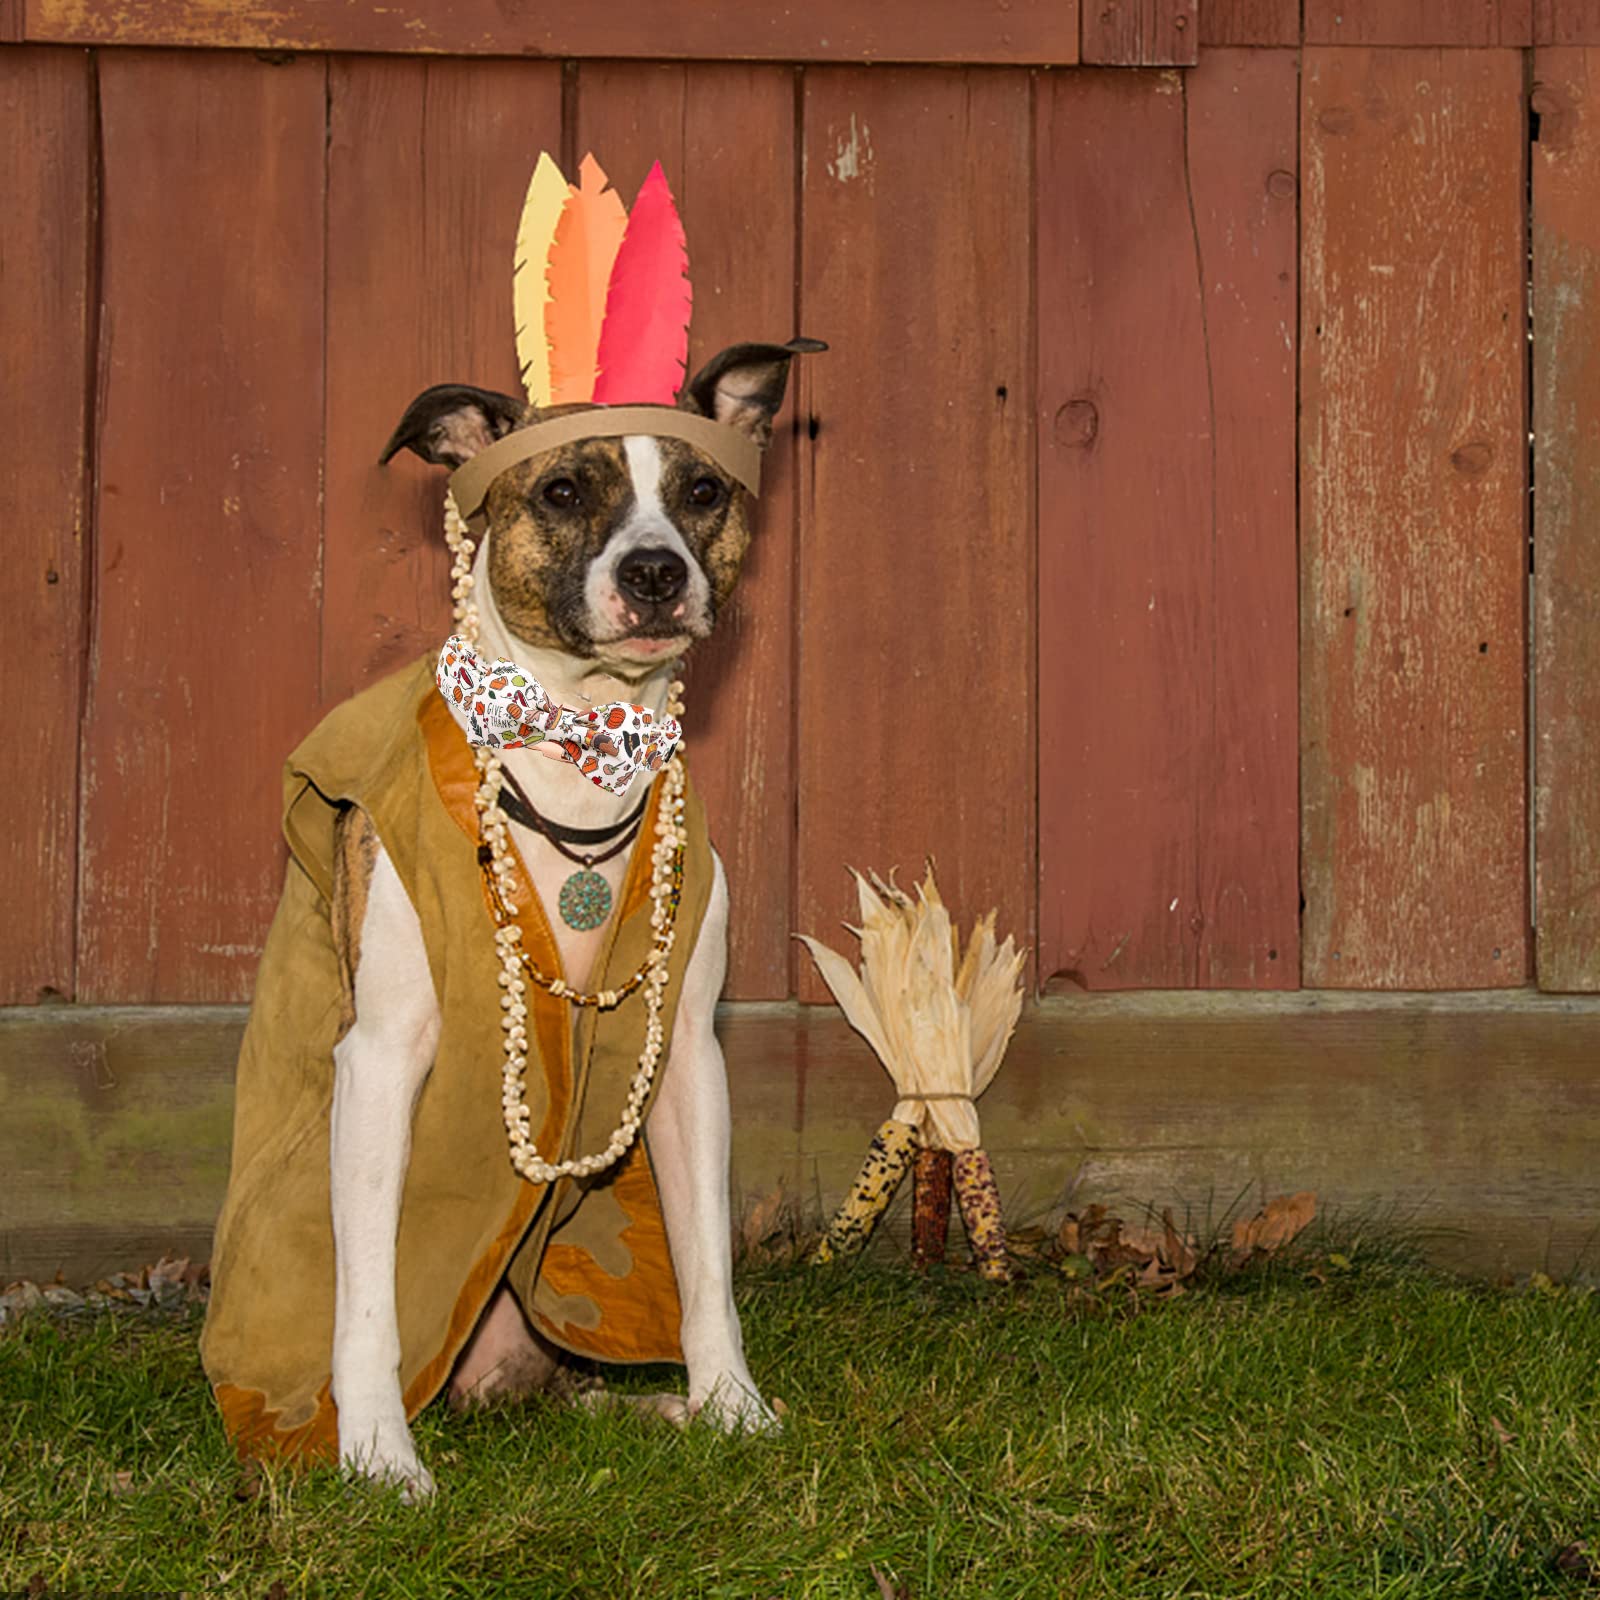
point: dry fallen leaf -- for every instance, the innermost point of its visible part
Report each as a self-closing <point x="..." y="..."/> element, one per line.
<point x="1099" y="1245"/>
<point x="1572" y="1561"/>
<point x="889" y="1588"/>
<point x="764" y="1225"/>
<point x="1272" y="1228"/>
<point x="122" y="1483"/>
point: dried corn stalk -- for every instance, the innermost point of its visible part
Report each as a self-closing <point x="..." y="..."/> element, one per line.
<point x="939" y="1021"/>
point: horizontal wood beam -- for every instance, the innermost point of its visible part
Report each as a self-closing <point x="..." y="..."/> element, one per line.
<point x="994" y="32"/>
<point x="1472" y="1115"/>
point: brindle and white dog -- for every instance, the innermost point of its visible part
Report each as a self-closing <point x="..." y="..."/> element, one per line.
<point x="604" y="561"/>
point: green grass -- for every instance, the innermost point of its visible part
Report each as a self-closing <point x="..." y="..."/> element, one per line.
<point x="1385" y="1432"/>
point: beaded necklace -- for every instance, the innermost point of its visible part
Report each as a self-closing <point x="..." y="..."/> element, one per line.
<point x="496" y="859"/>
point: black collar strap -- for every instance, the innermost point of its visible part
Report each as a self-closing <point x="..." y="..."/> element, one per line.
<point x="735" y="452"/>
<point x="516" y="805"/>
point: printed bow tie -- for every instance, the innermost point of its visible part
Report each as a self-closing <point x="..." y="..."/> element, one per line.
<point x="504" y="706"/>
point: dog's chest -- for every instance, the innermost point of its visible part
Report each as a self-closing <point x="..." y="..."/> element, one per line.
<point x="579" y="947"/>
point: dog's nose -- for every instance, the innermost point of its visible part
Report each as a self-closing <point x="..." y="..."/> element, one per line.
<point x="652" y="575"/>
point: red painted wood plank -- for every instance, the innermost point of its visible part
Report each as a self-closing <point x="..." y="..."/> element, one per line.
<point x="998" y="32"/>
<point x="1140" y="33"/>
<point x="1566" y="511"/>
<point x="916" y="672"/>
<point x="1473" y="23"/>
<point x="13" y="21"/>
<point x="1250" y="22"/>
<point x="44" y="353"/>
<point x="725" y="135"/>
<point x="1566" y="21"/>
<point x="208" y="515"/>
<point x="1413" y="520"/>
<point x="1166" y="526"/>
<point x="428" y="163"/>
<point x="1243" y="141"/>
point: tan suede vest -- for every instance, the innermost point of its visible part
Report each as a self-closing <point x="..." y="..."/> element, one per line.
<point x="588" y="1259"/>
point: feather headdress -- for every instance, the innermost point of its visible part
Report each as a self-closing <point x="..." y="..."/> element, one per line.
<point x="602" y="295"/>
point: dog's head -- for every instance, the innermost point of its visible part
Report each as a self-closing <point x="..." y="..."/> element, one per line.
<point x="618" y="550"/>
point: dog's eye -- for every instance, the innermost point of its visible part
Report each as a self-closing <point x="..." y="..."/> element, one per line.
<point x="562" y="493"/>
<point x="705" y="492"/>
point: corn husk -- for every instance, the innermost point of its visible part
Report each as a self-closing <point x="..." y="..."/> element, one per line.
<point x="885" y="1165"/>
<point x="939" y="1020"/>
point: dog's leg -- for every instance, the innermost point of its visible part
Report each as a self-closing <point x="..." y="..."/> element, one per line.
<point x="391" y="1021"/>
<point x="689" y="1128"/>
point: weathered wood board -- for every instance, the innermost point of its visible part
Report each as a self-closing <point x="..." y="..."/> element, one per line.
<point x="1166" y="214"/>
<point x="117" y="1132"/>
<point x="723" y="133"/>
<point x="208" y="516"/>
<point x="997" y="32"/>
<point x="1413" y="532"/>
<point x="1141" y="33"/>
<point x="915" y="670"/>
<point x="1566" y="517"/>
<point x="1470" y="1118"/>
<point x="1462" y="23"/>
<point x="1566" y="21"/>
<point x="45" y="332"/>
<point x="1250" y="22"/>
<point x="428" y="163"/>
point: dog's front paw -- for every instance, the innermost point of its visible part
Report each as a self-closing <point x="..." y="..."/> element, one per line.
<point x="732" y="1404"/>
<point x="381" y="1448"/>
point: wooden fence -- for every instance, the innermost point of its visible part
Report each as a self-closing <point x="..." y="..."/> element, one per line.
<point x="1047" y="487"/>
<point x="1153" y="547"/>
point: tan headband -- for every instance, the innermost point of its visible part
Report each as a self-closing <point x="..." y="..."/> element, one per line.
<point x="736" y="453"/>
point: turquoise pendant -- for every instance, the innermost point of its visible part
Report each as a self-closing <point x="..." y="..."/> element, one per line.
<point x="585" y="900"/>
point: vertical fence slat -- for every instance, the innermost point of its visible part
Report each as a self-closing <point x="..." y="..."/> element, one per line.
<point x="1566" y="509"/>
<point x="1125" y="639"/>
<point x="1166" y="528"/>
<point x="1413" y="519"/>
<point x="725" y="136"/>
<point x="1466" y="23"/>
<point x="208" y="515"/>
<point x="1243" y="138"/>
<point x="44" y="259"/>
<point x="1141" y="33"/>
<point x="1250" y="22"/>
<point x="428" y="164"/>
<point x="916" y="544"/>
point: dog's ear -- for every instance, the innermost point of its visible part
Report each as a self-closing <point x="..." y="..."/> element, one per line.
<point x="451" y="422"/>
<point x="744" y="386"/>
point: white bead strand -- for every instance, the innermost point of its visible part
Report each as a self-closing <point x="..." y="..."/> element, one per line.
<point x="671" y="841"/>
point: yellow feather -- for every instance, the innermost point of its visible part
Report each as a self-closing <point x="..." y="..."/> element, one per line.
<point x="541" y="211"/>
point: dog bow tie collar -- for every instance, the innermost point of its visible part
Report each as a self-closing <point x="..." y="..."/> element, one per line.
<point x="504" y="706"/>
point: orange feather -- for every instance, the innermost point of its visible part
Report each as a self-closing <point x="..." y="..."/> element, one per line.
<point x="581" y="255"/>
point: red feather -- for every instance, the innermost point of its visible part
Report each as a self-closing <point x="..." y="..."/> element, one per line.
<point x="644" y="341"/>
